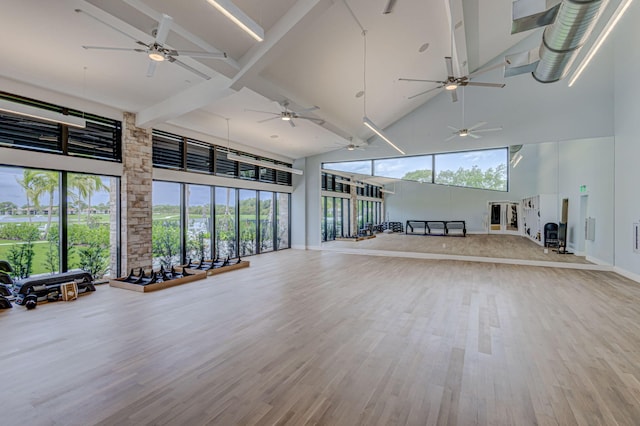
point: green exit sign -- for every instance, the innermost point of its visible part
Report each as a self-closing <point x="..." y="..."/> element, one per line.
<point x="583" y="188"/>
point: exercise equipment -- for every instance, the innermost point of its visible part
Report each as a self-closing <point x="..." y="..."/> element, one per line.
<point x="6" y="284"/>
<point x="47" y="289"/>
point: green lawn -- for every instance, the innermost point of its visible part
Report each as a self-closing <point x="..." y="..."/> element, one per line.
<point x="40" y="249"/>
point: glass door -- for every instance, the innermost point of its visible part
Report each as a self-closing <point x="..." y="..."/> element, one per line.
<point x="504" y="218"/>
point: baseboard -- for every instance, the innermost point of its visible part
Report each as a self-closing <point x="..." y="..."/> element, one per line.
<point x="631" y="275"/>
<point x="434" y="256"/>
<point x="314" y="247"/>
<point x="299" y="247"/>
<point x="597" y="261"/>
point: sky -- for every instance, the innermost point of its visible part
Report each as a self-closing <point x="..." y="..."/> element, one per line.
<point x="398" y="167"/>
<point x="10" y="190"/>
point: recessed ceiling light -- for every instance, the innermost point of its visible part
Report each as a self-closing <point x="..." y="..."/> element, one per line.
<point x="360" y="94"/>
<point x="423" y="47"/>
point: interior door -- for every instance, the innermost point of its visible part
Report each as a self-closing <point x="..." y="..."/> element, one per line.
<point x="504" y="218"/>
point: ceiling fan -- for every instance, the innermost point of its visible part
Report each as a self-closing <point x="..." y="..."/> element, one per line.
<point x="156" y="50"/>
<point x="452" y="83"/>
<point x="289" y="115"/>
<point x="471" y="131"/>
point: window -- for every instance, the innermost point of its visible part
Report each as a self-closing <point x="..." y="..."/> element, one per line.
<point x="360" y="167"/>
<point x="226" y="231"/>
<point x="407" y="168"/>
<point x="31" y="219"/>
<point x="199" y="157"/>
<point x="198" y="221"/>
<point x="88" y="223"/>
<point x="486" y="169"/>
<point x="100" y="139"/>
<point x="181" y="153"/>
<point x="248" y="219"/>
<point x="167" y="150"/>
<point x="265" y="210"/>
<point x="166" y="239"/>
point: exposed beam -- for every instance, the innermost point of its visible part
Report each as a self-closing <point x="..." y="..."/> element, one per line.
<point x="280" y="37"/>
<point x="193" y="98"/>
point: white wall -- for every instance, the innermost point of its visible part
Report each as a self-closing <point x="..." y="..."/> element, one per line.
<point x="299" y="207"/>
<point x="589" y="162"/>
<point x="627" y="144"/>
<point x="530" y="113"/>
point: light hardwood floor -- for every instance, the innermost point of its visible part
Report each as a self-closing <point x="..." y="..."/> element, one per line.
<point x="314" y="337"/>
<point x="480" y="245"/>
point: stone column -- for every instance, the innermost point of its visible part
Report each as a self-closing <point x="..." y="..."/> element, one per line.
<point x="354" y="211"/>
<point x="135" y="198"/>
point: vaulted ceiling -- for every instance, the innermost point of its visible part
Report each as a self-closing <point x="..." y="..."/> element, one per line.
<point x="313" y="55"/>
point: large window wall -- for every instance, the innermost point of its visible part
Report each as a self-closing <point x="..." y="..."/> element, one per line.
<point x="166" y="225"/>
<point x="43" y="233"/>
<point x="482" y="169"/>
<point x="335" y="215"/>
<point x="198" y="221"/>
<point x="245" y="222"/>
<point x="226" y="222"/>
<point x="334" y="218"/>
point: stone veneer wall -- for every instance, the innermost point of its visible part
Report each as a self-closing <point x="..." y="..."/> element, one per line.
<point x="136" y="203"/>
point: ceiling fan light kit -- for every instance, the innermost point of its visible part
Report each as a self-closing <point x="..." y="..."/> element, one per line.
<point x="238" y="17"/>
<point x="155" y="55"/>
<point x="452" y="83"/>
<point x="156" y="50"/>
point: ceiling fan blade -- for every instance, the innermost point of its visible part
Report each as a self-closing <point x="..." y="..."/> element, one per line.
<point x="453" y="128"/>
<point x="265" y="112"/>
<point x="163" y="29"/>
<point x="473" y="83"/>
<point x="124" y="49"/>
<point x="152" y="68"/>
<point x="292" y="123"/>
<point x="422" y="81"/>
<point x="317" y="120"/>
<point x="478" y="124"/>
<point x="454" y="95"/>
<point x="105" y="24"/>
<point x="449" y="62"/>
<point x="189" y="68"/>
<point x="474" y="135"/>
<point x="313" y="108"/>
<point x="495" y="129"/>
<point x="269" y="119"/>
<point x="451" y="137"/>
<point x="426" y="91"/>
<point x="483" y="70"/>
<point x="211" y="55"/>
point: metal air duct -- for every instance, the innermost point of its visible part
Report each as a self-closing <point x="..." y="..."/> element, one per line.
<point x="573" y="21"/>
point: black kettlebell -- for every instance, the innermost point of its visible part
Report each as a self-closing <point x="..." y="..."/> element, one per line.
<point x="31" y="302"/>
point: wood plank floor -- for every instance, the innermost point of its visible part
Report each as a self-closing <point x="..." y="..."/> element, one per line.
<point x="482" y="245"/>
<point x="314" y="337"/>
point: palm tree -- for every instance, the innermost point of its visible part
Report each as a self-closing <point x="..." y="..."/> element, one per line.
<point x="29" y="183"/>
<point x="86" y="186"/>
<point x="47" y="182"/>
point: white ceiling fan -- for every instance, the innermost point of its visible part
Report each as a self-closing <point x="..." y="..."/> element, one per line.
<point x="156" y="50"/>
<point x="289" y="115"/>
<point x="470" y="131"/>
<point x="452" y="83"/>
<point x="358" y="145"/>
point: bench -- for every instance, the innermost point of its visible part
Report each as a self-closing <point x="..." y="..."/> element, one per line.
<point x="437" y="227"/>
